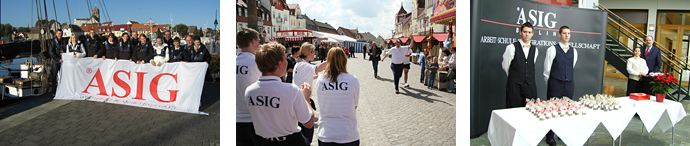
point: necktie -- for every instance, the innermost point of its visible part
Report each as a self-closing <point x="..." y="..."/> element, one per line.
<point x="647" y="51"/>
<point x="526" y="46"/>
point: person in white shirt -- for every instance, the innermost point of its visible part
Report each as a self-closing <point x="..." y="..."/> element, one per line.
<point x="247" y="73"/>
<point x="637" y="67"/>
<point x="520" y="68"/>
<point x="559" y="64"/>
<point x="277" y="107"/>
<point x="75" y="47"/>
<point x="398" y="55"/>
<point x="338" y="95"/>
<point x="305" y="72"/>
<point x="160" y="53"/>
<point x="406" y="61"/>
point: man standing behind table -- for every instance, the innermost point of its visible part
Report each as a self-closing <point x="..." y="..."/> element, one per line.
<point x="652" y="55"/>
<point x="247" y="74"/>
<point x="558" y="71"/>
<point x="518" y="63"/>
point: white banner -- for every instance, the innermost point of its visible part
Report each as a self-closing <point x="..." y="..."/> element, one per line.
<point x="172" y="86"/>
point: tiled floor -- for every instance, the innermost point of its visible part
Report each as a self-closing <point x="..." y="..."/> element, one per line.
<point x="632" y="134"/>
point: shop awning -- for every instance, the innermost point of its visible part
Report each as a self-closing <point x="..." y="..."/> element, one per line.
<point x="404" y="39"/>
<point x="440" y="36"/>
<point x="418" y="38"/>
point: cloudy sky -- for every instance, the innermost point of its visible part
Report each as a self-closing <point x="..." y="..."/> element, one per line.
<point x="375" y="16"/>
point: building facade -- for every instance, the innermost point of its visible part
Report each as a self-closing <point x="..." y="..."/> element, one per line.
<point x="281" y="17"/>
<point x="296" y="18"/>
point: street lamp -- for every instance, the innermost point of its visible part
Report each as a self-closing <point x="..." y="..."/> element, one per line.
<point x="215" y="26"/>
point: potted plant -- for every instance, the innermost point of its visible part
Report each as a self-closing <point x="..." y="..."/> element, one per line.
<point x="662" y="85"/>
<point x="214" y="65"/>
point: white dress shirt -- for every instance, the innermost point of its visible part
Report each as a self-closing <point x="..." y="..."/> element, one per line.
<point x="551" y="54"/>
<point x="635" y="67"/>
<point x="510" y="53"/>
<point x="247" y="73"/>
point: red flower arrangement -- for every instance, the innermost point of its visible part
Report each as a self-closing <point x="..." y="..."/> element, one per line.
<point x="214" y="65"/>
<point x="663" y="83"/>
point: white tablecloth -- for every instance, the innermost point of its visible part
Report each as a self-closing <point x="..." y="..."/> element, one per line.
<point x="664" y="115"/>
<point x="516" y="126"/>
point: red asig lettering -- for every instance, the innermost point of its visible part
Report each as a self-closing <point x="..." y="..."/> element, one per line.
<point x="123" y="84"/>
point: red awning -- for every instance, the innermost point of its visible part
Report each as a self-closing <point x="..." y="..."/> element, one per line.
<point x="388" y="40"/>
<point x="440" y="36"/>
<point x="418" y="38"/>
<point x="403" y="39"/>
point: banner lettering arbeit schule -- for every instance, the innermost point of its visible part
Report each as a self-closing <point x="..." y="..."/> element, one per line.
<point x="173" y="86"/>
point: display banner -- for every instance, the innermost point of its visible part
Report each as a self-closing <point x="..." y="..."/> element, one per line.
<point x="498" y="25"/>
<point x="172" y="86"/>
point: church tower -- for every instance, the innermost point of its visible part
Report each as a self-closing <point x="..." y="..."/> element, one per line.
<point x="94" y="13"/>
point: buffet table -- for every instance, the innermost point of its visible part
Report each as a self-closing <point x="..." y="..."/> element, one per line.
<point x="517" y="126"/>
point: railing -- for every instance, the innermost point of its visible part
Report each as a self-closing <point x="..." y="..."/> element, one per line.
<point x="625" y="31"/>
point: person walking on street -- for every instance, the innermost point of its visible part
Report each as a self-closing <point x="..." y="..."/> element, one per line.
<point x="398" y="55"/>
<point x="352" y="51"/>
<point x="375" y="57"/>
<point x="364" y="52"/>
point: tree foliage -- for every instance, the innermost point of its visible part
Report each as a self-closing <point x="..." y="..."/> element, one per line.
<point x="182" y="29"/>
<point x="6" y="30"/>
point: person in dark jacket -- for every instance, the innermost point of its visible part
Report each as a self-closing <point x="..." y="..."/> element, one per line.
<point x="199" y="52"/>
<point x="125" y="48"/>
<point x="167" y="38"/>
<point x="109" y="47"/>
<point x="178" y="53"/>
<point x="93" y="45"/>
<point x="375" y="57"/>
<point x="291" y="64"/>
<point x="134" y="39"/>
<point x="56" y="49"/>
<point x="144" y="50"/>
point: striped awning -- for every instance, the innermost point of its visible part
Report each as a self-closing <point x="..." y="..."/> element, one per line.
<point x="443" y="17"/>
<point x="293" y="38"/>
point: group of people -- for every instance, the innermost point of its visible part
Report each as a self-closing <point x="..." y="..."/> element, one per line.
<point x="431" y="64"/>
<point x="520" y="57"/>
<point x="273" y="112"/>
<point x="138" y="49"/>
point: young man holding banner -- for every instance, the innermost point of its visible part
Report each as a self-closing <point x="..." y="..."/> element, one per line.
<point x="247" y="74"/>
<point x="558" y="71"/>
<point x="519" y="67"/>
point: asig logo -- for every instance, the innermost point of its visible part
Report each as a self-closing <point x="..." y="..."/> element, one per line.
<point x="537" y="18"/>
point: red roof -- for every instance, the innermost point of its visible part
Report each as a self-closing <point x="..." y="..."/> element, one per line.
<point x="440" y="36"/>
<point x="404" y="39"/>
<point x="418" y="38"/>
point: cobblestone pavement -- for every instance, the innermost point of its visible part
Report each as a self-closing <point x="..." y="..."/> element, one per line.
<point x="417" y="116"/>
<point x="63" y="122"/>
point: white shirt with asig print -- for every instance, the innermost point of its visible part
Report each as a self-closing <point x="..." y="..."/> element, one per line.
<point x="303" y="73"/>
<point x="337" y="119"/>
<point x="247" y="73"/>
<point x="276" y="107"/>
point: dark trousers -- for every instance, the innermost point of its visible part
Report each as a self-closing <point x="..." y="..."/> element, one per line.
<point x="421" y="80"/>
<point x="354" y="143"/>
<point x="295" y="139"/>
<point x="397" y="73"/>
<point x="517" y="93"/>
<point x="55" y="68"/>
<point x="646" y="87"/>
<point x="307" y="133"/>
<point x="557" y="88"/>
<point x="634" y="87"/>
<point x="322" y="57"/>
<point x="376" y="67"/>
<point x="365" y="55"/>
<point x="352" y="53"/>
<point x="246" y="136"/>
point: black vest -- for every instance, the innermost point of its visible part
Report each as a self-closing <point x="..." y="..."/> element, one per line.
<point x="521" y="69"/>
<point x="562" y="66"/>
